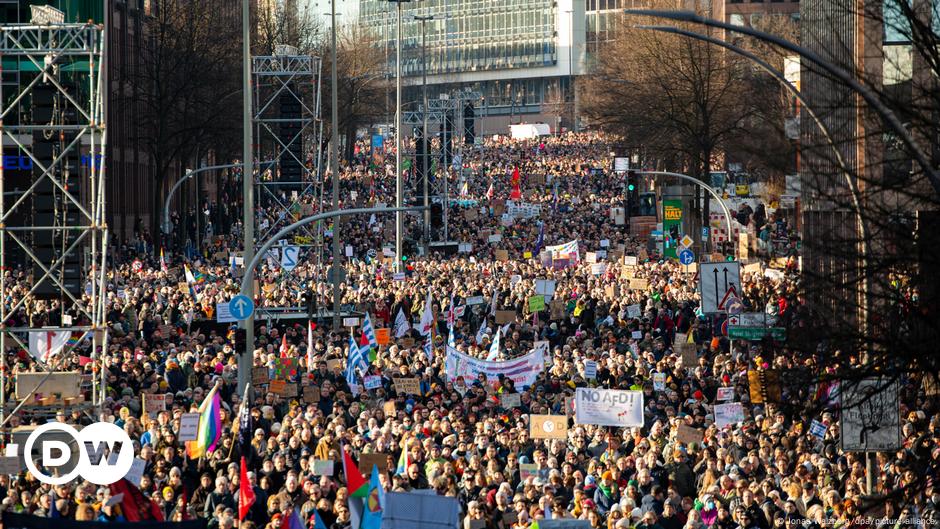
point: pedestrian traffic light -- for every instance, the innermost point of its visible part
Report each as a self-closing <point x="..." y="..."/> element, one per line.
<point x="309" y="300"/>
<point x="437" y="216"/>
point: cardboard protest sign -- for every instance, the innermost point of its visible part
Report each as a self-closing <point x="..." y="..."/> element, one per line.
<point x="548" y="426"/>
<point x="502" y="255"/>
<point x="408" y="385"/>
<point x="311" y="394"/>
<point x="367" y="461"/>
<point x="688" y="434"/>
<point x="278" y="387"/>
<point x="259" y="375"/>
<point x="505" y="316"/>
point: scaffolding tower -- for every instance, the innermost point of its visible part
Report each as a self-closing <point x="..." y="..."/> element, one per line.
<point x="285" y="115"/>
<point x="447" y="113"/>
<point x="52" y="215"/>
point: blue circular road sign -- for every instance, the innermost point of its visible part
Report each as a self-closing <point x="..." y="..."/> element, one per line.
<point x="686" y="257"/>
<point x="241" y="307"/>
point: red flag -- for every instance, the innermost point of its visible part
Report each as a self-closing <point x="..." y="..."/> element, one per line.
<point x="135" y="506"/>
<point x="516" y="192"/>
<point x="356" y="483"/>
<point x="515" y="176"/>
<point x="246" y="495"/>
<point x="284" y="348"/>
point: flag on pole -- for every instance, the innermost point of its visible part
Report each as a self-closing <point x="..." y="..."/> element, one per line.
<point x="210" y="426"/>
<point x="427" y="318"/>
<point x="292" y="520"/>
<point x="318" y="521"/>
<point x="356" y="483"/>
<point x="43" y="345"/>
<point x="404" y="460"/>
<point x="541" y="239"/>
<point x="163" y="266"/>
<point x="464" y="190"/>
<point x="246" y="494"/>
<point x="285" y="349"/>
<point x="451" y="341"/>
<point x="401" y="324"/>
<point x="451" y="315"/>
<point x="374" y="503"/>
<point x="494" y="347"/>
<point x="429" y="350"/>
<point x="490" y="192"/>
<point x="493" y="304"/>
<point x="354" y="360"/>
<point x="232" y="266"/>
<point x="311" y="326"/>
<point x="368" y="332"/>
<point x="481" y="332"/>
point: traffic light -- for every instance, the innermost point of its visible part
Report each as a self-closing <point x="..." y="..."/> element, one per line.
<point x="310" y="303"/>
<point x="437" y="216"/>
<point x="241" y="340"/>
<point x="633" y="194"/>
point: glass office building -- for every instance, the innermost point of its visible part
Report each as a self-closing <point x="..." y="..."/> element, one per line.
<point x="519" y="54"/>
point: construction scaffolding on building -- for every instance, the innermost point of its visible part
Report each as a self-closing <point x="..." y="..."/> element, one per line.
<point x="286" y="117"/>
<point x="53" y="232"/>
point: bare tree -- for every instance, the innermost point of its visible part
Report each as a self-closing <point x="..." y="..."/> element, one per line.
<point x="185" y="83"/>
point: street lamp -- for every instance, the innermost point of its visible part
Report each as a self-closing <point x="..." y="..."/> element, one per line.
<point x="334" y="169"/>
<point x="424" y="126"/>
<point x="398" y="176"/>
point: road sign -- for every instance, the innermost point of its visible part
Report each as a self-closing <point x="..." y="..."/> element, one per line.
<point x="289" y="257"/>
<point x="870" y="415"/>
<point x="718" y="282"/>
<point x="241" y="307"/>
<point x="734" y="305"/>
<point x="705" y="233"/>
<point x="686" y="241"/>
<point x="756" y="334"/>
<point x="686" y="256"/>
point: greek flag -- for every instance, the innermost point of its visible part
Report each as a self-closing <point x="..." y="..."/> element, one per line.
<point x="428" y="350"/>
<point x="369" y="331"/>
<point x="354" y="360"/>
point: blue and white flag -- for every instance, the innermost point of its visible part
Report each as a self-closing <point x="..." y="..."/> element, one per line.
<point x="494" y="347"/>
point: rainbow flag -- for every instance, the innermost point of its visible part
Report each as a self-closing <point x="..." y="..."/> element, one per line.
<point x="404" y="461"/>
<point x="210" y="426"/>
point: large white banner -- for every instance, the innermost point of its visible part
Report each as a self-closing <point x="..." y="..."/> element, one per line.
<point x="523" y="370"/>
<point x="609" y="407"/>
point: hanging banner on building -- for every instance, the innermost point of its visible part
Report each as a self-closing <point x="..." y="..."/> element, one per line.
<point x="609" y="407"/>
<point x="523" y="370"/>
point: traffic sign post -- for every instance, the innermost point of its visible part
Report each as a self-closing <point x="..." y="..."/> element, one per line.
<point x="241" y="307"/>
<point x="686" y="256"/>
<point x="719" y="282"/>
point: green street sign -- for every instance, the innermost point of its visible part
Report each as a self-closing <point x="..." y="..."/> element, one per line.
<point x="755" y="334"/>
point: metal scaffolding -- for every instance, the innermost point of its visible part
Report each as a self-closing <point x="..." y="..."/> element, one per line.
<point x="287" y="78"/>
<point x="446" y="112"/>
<point x="63" y="63"/>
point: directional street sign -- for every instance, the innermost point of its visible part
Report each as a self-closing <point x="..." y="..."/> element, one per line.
<point x="718" y="283"/>
<point x="686" y="241"/>
<point x="686" y="256"/>
<point x="241" y="307"/>
<point x="289" y="257"/>
<point x="756" y="334"/>
<point x="734" y="305"/>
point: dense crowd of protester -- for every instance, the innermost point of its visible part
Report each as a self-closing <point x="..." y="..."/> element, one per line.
<point x="678" y="471"/>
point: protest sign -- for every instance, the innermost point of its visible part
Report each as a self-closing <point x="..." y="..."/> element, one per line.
<point x="536" y="303"/>
<point x="609" y="407"/>
<point x="383" y="336"/>
<point x="505" y="316"/>
<point x="590" y="369"/>
<point x="189" y="426"/>
<point x="659" y="381"/>
<point x="728" y="414"/>
<point x="688" y="434"/>
<point x="311" y="394"/>
<point x="322" y="467"/>
<point x="372" y="382"/>
<point x="259" y="375"/>
<point x="367" y="461"/>
<point x="510" y="400"/>
<point x="725" y="394"/>
<point x="548" y="426"/>
<point x="523" y="370"/>
<point x="407" y="385"/>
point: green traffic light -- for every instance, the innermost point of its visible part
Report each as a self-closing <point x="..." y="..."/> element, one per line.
<point x="631" y="187"/>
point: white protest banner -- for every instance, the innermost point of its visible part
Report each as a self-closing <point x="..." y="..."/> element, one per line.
<point x="634" y="311"/>
<point x="322" y="467"/>
<point x="523" y="370"/>
<point x="590" y="369"/>
<point x="728" y="414"/>
<point x="372" y="382"/>
<point x="609" y="407"/>
<point x="545" y="287"/>
<point x="136" y="473"/>
<point x="659" y="381"/>
<point x="598" y="268"/>
<point x="637" y="335"/>
<point x="725" y="394"/>
<point x="189" y="426"/>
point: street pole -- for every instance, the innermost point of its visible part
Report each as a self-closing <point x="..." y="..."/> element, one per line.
<point x="398" y="176"/>
<point x="424" y="126"/>
<point x="334" y="170"/>
<point x="245" y="357"/>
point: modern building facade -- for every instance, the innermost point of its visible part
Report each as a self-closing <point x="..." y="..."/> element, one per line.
<point x="753" y="12"/>
<point x="521" y="55"/>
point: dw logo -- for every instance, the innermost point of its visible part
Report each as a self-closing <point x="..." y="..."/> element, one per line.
<point x="107" y="456"/>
